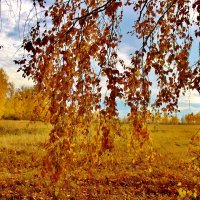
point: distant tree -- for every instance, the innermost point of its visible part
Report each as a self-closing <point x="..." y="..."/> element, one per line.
<point x="183" y="120"/>
<point x="189" y="118"/>
<point x="26" y="104"/>
<point x="174" y="120"/>
<point x="9" y="112"/>
<point x="198" y="118"/>
<point x="192" y="118"/>
<point x="165" y="119"/>
<point x="3" y="90"/>
<point x="30" y="104"/>
<point x="156" y="117"/>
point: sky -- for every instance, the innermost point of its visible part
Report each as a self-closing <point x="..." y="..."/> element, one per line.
<point x="14" y="25"/>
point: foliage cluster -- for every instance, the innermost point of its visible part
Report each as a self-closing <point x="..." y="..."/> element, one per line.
<point x="23" y="103"/>
<point x="3" y="90"/>
<point x="26" y="104"/>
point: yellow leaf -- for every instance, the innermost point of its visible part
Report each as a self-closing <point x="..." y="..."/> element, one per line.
<point x="179" y="184"/>
<point x="195" y="179"/>
<point x="195" y="195"/>
<point x="182" y="193"/>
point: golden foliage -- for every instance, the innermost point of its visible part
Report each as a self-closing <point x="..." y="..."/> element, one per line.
<point x="60" y="62"/>
<point x="3" y="90"/>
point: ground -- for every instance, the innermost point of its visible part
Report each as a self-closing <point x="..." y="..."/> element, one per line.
<point x="171" y="171"/>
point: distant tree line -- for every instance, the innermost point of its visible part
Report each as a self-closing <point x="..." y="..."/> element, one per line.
<point x="25" y="103"/>
<point x="158" y="118"/>
<point x="191" y="118"/>
<point x="164" y="118"/>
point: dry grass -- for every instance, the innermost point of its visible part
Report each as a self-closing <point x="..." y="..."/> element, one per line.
<point x="21" y="141"/>
<point x="173" y="139"/>
<point x="22" y="135"/>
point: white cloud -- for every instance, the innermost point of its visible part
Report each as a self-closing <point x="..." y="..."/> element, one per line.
<point x="12" y="26"/>
<point x="7" y="55"/>
<point x="125" y="57"/>
<point x="15" y="14"/>
<point x="191" y="97"/>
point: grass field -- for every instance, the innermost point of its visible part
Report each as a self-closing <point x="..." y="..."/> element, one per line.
<point x="173" y="173"/>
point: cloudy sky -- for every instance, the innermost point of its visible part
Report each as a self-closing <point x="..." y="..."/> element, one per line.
<point x="16" y="19"/>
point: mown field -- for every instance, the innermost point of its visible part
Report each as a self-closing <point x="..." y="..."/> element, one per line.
<point x="172" y="172"/>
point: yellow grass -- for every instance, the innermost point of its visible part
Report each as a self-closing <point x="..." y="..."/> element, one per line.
<point x="173" y="140"/>
<point x="21" y="141"/>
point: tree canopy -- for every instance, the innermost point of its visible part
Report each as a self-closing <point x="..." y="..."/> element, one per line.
<point x="69" y="58"/>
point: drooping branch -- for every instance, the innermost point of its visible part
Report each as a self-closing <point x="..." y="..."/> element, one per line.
<point x="60" y="61"/>
<point x="156" y="24"/>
